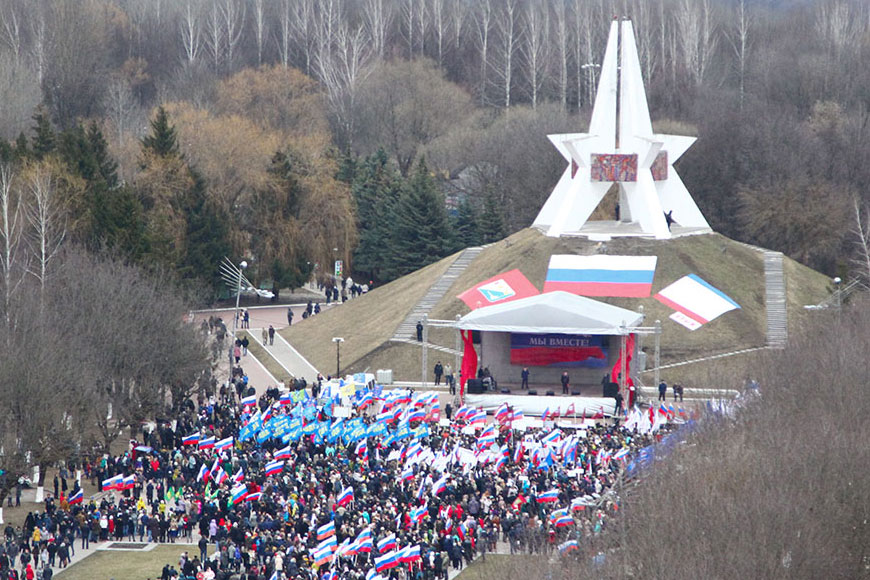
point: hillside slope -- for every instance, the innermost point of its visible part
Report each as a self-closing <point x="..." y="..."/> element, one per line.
<point x="733" y="267"/>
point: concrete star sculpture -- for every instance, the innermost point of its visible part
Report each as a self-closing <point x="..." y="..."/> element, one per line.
<point x="621" y="148"/>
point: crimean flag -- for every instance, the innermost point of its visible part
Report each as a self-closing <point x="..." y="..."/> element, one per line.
<point x="504" y="287"/>
<point x="601" y="275"/>
<point x="697" y="301"/>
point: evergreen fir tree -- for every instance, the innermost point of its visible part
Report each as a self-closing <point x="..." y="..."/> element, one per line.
<point x="421" y="233"/>
<point x="375" y="191"/>
<point x="43" y="134"/>
<point x="206" y="236"/>
<point x="7" y="152"/>
<point x="163" y="140"/>
<point x="21" y="149"/>
<point x="347" y="168"/>
<point x="491" y="221"/>
<point x="466" y="225"/>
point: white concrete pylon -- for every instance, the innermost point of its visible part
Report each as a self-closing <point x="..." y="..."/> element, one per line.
<point x="620" y="148"/>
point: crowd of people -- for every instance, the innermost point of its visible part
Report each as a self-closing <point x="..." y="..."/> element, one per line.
<point x="277" y="487"/>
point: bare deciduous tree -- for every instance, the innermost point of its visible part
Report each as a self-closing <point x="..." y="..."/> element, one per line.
<point x="560" y="18"/>
<point x="190" y="27"/>
<point x="440" y="23"/>
<point x="698" y="37"/>
<point x="378" y="16"/>
<point x="259" y="28"/>
<point x="739" y="39"/>
<point x="507" y="24"/>
<point x="45" y="215"/>
<point x="215" y="38"/>
<point x="121" y="106"/>
<point x="302" y="28"/>
<point x="535" y="49"/>
<point x="11" y="30"/>
<point x="862" y="240"/>
<point x="12" y="265"/>
<point x="341" y="71"/>
<point x="409" y="19"/>
<point x="233" y="16"/>
<point x="483" y="24"/>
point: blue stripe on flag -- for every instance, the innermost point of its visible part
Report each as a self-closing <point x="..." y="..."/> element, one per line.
<point x="712" y="289"/>
<point x="603" y="276"/>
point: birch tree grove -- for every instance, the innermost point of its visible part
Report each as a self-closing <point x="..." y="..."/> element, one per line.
<point x="11" y="227"/>
<point x="698" y="37"/>
<point x="190" y="28"/>
<point x="506" y="22"/>
<point x="535" y="48"/>
<point x="378" y="17"/>
<point x="483" y="25"/>
<point x="45" y="216"/>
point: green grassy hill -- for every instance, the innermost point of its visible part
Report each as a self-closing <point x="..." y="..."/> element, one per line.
<point x="737" y="269"/>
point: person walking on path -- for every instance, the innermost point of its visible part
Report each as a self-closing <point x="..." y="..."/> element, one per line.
<point x="271" y="335"/>
<point x="419" y="331"/>
<point x="289" y="316"/>
<point x="265" y="337"/>
<point x="565" y="382"/>
<point x="245" y="344"/>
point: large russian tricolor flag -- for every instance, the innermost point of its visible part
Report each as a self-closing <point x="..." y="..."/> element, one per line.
<point x="601" y="275"/>
<point x="696" y="299"/>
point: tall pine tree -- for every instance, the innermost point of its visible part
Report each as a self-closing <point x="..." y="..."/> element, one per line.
<point x="421" y="233"/>
<point x="375" y="191"/>
<point x="466" y="225"/>
<point x="163" y="140"/>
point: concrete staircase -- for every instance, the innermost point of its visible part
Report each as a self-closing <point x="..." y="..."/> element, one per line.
<point x="775" y="300"/>
<point x="407" y="330"/>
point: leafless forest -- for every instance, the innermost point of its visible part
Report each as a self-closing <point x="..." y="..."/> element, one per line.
<point x="776" y="91"/>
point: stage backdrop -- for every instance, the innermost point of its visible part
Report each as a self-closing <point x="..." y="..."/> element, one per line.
<point x="559" y="350"/>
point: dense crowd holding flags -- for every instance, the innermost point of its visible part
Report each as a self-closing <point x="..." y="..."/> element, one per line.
<point x="388" y="485"/>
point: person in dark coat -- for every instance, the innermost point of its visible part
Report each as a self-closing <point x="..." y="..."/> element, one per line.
<point x="419" y="331"/>
<point x="566" y="381"/>
<point x="525" y="377"/>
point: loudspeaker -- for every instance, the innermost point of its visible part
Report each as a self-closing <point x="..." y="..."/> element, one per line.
<point x="575" y="393"/>
<point x="505" y="391"/>
<point x="474" y="386"/>
<point x="551" y="394"/>
<point x="610" y="390"/>
<point x="532" y="393"/>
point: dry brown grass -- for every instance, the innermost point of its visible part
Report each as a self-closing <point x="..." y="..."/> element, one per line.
<point x="266" y="359"/>
<point x="365" y="323"/>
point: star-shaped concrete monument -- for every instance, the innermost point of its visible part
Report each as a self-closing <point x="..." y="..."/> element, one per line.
<point x="621" y="148"/>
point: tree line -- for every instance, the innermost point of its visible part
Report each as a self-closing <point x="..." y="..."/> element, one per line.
<point x="774" y="91"/>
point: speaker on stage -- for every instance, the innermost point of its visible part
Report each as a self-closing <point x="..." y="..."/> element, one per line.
<point x="610" y="389"/>
<point x="532" y="392"/>
<point x="474" y="386"/>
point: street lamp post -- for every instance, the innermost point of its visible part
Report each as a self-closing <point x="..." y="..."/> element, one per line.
<point x="337" y="340"/>
<point x="242" y="265"/>
<point x="837" y="282"/>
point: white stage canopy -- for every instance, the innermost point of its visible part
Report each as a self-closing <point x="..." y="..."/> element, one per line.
<point x="552" y="313"/>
